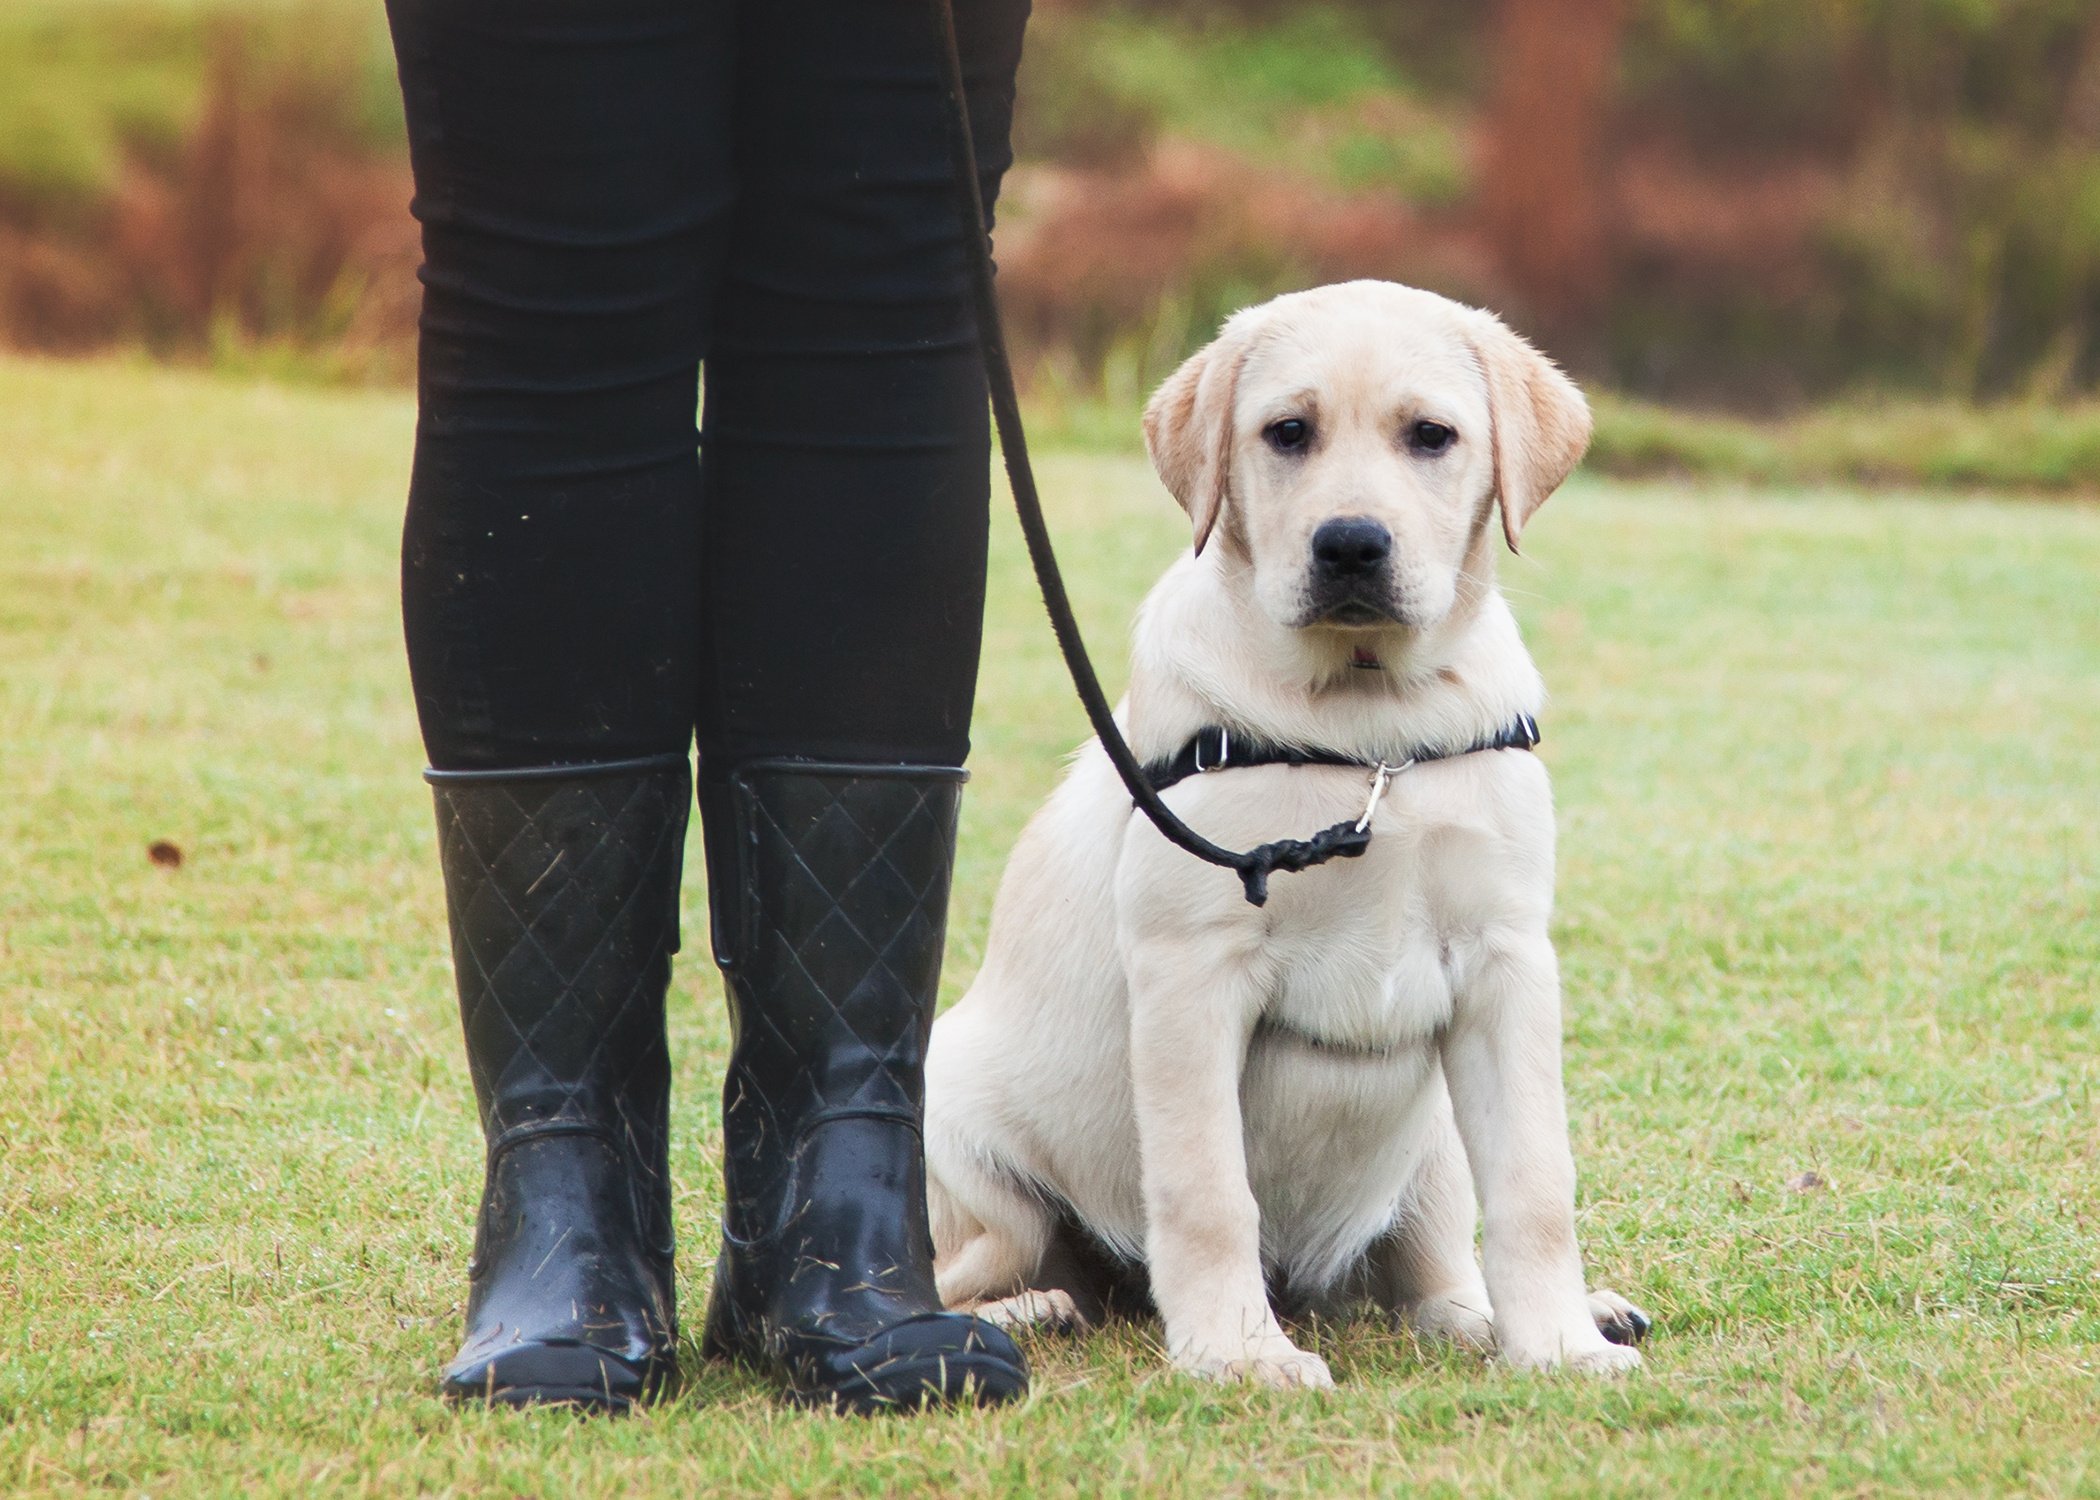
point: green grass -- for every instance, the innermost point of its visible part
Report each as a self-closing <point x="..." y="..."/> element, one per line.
<point x="1826" y="768"/>
<point x="1310" y="92"/>
<point x="2037" y="445"/>
<point x="85" y="84"/>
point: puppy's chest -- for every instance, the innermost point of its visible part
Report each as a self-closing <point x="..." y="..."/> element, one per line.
<point x="1375" y="985"/>
<point x="1363" y="963"/>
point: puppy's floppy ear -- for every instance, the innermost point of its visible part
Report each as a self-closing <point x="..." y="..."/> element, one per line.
<point x="1542" y="424"/>
<point x="1188" y="430"/>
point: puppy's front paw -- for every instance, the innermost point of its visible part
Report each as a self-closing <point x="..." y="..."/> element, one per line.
<point x="1296" y="1371"/>
<point x="1576" y="1357"/>
<point x="1276" y="1364"/>
<point x="1612" y="1359"/>
<point x="1617" y="1319"/>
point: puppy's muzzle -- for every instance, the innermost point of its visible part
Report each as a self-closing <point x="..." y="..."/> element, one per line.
<point x="1350" y="575"/>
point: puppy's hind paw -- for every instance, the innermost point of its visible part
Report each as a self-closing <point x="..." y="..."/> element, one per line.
<point x="1054" y="1311"/>
<point x="1617" y="1319"/>
<point x="1462" y="1321"/>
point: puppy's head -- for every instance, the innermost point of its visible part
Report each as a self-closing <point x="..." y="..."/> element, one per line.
<point x="1349" y="443"/>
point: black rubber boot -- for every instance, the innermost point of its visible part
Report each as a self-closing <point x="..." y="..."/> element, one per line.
<point x="830" y="898"/>
<point x="563" y="889"/>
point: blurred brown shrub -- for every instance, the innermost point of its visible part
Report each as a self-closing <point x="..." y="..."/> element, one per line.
<point x="274" y="219"/>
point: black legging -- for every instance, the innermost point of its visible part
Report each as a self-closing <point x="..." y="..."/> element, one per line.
<point x="612" y="191"/>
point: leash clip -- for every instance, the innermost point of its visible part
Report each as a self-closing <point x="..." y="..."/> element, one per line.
<point x="1224" y="750"/>
<point x="1380" y="780"/>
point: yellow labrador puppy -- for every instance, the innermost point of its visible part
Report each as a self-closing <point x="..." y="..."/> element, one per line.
<point x="1298" y="1100"/>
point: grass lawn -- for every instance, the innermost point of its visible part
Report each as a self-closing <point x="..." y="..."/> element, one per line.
<point x="1827" y="768"/>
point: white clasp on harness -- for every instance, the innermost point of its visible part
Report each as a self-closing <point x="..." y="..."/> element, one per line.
<point x="1380" y="780"/>
<point x="1224" y="750"/>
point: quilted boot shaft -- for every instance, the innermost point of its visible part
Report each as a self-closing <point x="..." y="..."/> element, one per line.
<point x="562" y="886"/>
<point x="830" y="897"/>
<point x="831" y="946"/>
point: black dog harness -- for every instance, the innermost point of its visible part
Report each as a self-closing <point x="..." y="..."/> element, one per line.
<point x="1215" y="748"/>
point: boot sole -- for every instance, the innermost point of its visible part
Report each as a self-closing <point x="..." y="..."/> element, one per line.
<point x="906" y="1383"/>
<point x="912" y="1385"/>
<point x="601" y="1395"/>
<point x="582" y="1400"/>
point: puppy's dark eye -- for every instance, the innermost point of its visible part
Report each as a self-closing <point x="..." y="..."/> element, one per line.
<point x="1430" y="437"/>
<point x="1289" y="435"/>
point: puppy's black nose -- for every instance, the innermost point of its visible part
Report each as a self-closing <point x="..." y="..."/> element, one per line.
<point x="1349" y="546"/>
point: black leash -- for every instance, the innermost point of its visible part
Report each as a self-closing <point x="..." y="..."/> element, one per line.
<point x="1346" y="839"/>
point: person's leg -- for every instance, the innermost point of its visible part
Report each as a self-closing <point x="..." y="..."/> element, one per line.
<point x="846" y="435"/>
<point x="573" y="176"/>
<point x="843" y="555"/>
